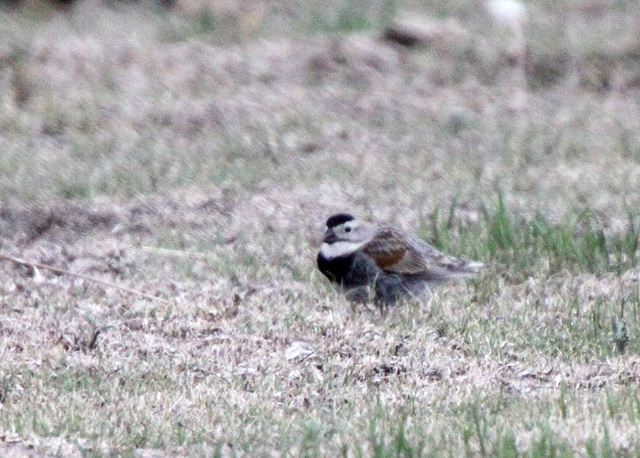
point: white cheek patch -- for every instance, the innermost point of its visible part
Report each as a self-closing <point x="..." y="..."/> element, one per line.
<point x="337" y="249"/>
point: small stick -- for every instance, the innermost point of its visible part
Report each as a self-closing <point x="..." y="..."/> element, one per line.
<point x="200" y="433"/>
<point x="74" y="274"/>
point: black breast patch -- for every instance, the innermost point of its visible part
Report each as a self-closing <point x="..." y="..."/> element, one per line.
<point x="355" y="269"/>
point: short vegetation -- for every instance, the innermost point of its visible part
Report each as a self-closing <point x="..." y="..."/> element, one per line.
<point x="183" y="156"/>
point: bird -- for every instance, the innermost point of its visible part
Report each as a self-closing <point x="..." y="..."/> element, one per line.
<point x="385" y="262"/>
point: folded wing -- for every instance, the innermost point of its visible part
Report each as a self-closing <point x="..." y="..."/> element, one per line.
<point x="395" y="251"/>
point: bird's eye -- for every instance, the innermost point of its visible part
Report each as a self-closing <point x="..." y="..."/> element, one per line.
<point x="347" y="229"/>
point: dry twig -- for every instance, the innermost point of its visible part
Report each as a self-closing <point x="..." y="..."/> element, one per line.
<point x="39" y="265"/>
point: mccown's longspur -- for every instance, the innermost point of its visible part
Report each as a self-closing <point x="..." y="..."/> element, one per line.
<point x="383" y="262"/>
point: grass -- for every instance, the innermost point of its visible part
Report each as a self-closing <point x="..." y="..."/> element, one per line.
<point x="195" y="154"/>
<point x="536" y="245"/>
<point x="350" y="16"/>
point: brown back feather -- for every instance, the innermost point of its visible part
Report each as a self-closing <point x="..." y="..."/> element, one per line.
<point x="397" y="252"/>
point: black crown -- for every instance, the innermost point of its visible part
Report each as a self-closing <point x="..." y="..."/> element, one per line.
<point x="339" y="219"/>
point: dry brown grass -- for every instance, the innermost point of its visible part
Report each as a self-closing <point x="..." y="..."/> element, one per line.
<point x="172" y="157"/>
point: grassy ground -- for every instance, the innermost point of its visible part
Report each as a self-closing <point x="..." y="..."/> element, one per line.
<point x="194" y="156"/>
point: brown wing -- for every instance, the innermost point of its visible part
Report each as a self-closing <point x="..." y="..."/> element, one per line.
<point x="398" y="252"/>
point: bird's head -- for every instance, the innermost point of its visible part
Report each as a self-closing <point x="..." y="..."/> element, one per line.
<point x="344" y="235"/>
